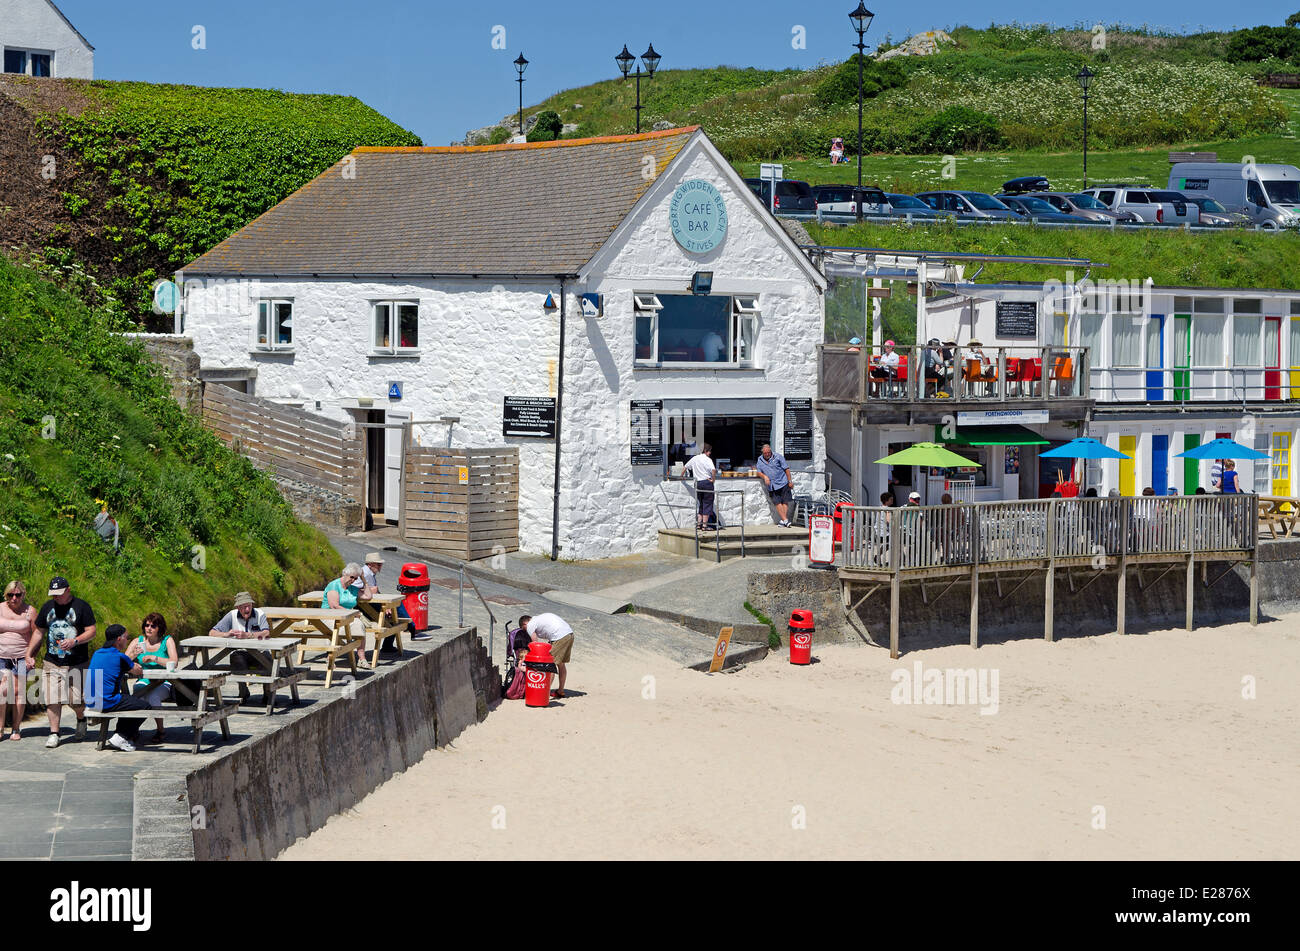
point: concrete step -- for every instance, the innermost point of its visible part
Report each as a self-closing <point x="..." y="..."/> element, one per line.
<point x="759" y="540"/>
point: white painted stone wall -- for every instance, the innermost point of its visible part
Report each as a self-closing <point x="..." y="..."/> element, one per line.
<point x="482" y="341"/>
<point x="35" y="26"/>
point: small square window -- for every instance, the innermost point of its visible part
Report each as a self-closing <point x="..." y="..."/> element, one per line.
<point x="274" y="330"/>
<point x="396" y="326"/>
<point x="16" y="61"/>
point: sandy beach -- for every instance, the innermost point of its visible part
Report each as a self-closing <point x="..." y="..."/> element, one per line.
<point x="1108" y="747"/>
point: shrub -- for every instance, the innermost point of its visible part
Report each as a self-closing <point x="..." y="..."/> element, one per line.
<point x="841" y="86"/>
<point x="1261" y="42"/>
<point x="499" y="136"/>
<point x="547" y="128"/>
<point x="956" y="129"/>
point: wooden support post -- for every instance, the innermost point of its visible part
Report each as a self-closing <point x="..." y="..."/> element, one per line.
<point x="895" y="579"/>
<point x="1122" y="593"/>
<point x="1049" y="609"/>
<point x="1254" y="592"/>
<point x="855" y="457"/>
<point x="974" y="577"/>
<point x="1191" y="563"/>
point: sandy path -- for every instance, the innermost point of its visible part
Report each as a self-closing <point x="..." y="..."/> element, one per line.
<point x="1153" y="728"/>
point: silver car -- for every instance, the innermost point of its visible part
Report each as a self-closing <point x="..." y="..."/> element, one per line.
<point x="1152" y="205"/>
<point x="1215" y="215"/>
<point x="902" y="206"/>
<point x="1085" y="206"/>
<point x="968" y="205"/>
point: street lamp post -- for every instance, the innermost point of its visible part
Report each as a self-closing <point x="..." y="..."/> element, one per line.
<point x="651" y="60"/>
<point x="861" y="18"/>
<point x="521" y="64"/>
<point x="1085" y="80"/>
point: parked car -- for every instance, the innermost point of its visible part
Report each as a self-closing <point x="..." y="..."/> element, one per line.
<point x="1152" y="205"/>
<point x="901" y="206"/>
<point x="1084" y="206"/>
<point x="968" y="205"/>
<point x="1268" y="194"/>
<point x="791" y="195"/>
<point x="1039" y="210"/>
<point x="1213" y="213"/>
<point x="845" y="199"/>
<point x="1022" y="186"/>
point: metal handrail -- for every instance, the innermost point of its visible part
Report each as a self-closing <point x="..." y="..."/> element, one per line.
<point x="492" y="618"/>
<point x="941" y="218"/>
<point x="1238" y="386"/>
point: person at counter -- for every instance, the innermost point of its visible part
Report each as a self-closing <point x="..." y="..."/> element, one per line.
<point x="775" y="472"/>
<point x="702" y="470"/>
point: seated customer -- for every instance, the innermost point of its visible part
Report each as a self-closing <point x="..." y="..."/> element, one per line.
<point x="105" y="688"/>
<point x="153" y="650"/>
<point x="244" y="621"/>
<point x="342" y="593"/>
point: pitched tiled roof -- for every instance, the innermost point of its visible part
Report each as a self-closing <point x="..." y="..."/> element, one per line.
<point x="530" y="209"/>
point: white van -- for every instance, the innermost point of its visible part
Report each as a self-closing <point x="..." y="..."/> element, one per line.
<point x="1269" y="194"/>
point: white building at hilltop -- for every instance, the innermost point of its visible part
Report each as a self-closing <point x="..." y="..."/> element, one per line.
<point x="36" y="39"/>
<point x="414" y="284"/>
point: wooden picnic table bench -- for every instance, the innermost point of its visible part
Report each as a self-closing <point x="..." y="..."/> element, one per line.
<point x="271" y="654"/>
<point x="198" y="686"/>
<point x="304" y="624"/>
<point x="381" y="617"/>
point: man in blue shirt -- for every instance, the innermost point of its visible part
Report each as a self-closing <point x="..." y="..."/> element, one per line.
<point x="106" y="686"/>
<point x="776" y="476"/>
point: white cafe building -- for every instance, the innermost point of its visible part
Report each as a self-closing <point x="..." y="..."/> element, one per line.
<point x="1151" y="371"/>
<point x="634" y="280"/>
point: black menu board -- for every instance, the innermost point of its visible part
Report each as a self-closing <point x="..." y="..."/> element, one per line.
<point x="529" y="416"/>
<point x="647" y="432"/>
<point x="798" y="430"/>
<point x="1017" y="318"/>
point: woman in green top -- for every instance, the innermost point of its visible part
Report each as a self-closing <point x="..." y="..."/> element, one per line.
<point x="341" y="593"/>
<point x="153" y="650"/>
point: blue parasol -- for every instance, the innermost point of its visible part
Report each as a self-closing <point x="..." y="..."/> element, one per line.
<point x="1222" y="449"/>
<point x="1084" y="448"/>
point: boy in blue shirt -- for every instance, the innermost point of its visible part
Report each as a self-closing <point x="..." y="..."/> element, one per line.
<point x="106" y="687"/>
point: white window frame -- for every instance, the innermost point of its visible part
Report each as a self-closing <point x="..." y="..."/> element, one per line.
<point x="745" y="314"/>
<point x="1139" y="359"/>
<point x="394" y="326"/>
<point x="271" y="346"/>
<point x="28" y="53"/>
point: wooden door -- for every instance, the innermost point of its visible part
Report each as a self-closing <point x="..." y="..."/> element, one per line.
<point x="1128" y="467"/>
<point x="1272" y="358"/>
<point x="1182" y="356"/>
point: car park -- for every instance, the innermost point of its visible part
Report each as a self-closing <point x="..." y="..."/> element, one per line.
<point x="1151" y="205"/>
<point x="904" y="206"/>
<point x="1268" y="194"/>
<point x="968" y="205"/>
<point x="1039" y="210"/>
<point x="845" y="199"/>
<point x="1084" y="206"/>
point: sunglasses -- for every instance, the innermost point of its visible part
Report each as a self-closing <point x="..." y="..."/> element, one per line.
<point x="16" y="594"/>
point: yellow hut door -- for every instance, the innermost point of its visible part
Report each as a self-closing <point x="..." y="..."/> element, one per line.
<point x="1127" y="467"/>
<point x="1281" y="464"/>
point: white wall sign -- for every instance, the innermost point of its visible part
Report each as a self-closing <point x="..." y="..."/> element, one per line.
<point x="988" y="417"/>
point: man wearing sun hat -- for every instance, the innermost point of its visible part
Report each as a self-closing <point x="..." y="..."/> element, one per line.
<point x="244" y="621"/>
<point x="370" y="570"/>
<point x="885" y="367"/>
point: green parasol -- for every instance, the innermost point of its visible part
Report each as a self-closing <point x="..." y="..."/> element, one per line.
<point x="929" y="454"/>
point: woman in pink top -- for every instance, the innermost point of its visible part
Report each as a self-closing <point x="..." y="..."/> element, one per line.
<point x="19" y="640"/>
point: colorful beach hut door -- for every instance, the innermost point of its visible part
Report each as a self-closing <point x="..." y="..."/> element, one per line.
<point x="1272" y="358"/>
<point x="1191" y="467"/>
<point x="1281" y="464"/>
<point x="1160" y="463"/>
<point x="1127" y="467"/>
<point x="1182" y="355"/>
<point x="1155" y="344"/>
<point x="1295" y="358"/>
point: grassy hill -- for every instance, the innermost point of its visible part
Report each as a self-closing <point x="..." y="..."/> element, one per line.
<point x="86" y="421"/>
<point x="134" y="180"/>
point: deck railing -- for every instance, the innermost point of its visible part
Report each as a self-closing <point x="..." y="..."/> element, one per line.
<point x="1004" y="533"/>
<point x="944" y="374"/>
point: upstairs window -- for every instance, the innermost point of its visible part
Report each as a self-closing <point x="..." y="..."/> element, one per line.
<point x="274" y="325"/>
<point x="27" y="62"/>
<point x="695" y="330"/>
<point x="396" y="326"/>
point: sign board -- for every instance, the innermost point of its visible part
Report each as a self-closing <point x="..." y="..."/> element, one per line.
<point x="1193" y="184"/>
<point x="771" y="171"/>
<point x="821" y="540"/>
<point x="462" y="474"/>
<point x="647" y="432"/>
<point x="698" y="216"/>
<point x="798" y="430"/>
<point x="529" y="416"/>
<point x="394" y="391"/>
<point x="1016" y="318"/>
<point x="593" y="305"/>
<point x="720" y="650"/>
<point x="993" y="416"/>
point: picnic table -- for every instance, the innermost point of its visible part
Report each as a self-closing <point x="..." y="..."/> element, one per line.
<point x="381" y="617"/>
<point x="200" y="687"/>
<point x="271" y="655"/>
<point x="304" y="624"/>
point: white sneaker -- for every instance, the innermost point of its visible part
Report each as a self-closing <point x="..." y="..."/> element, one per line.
<point x="52" y="742"/>
<point x="117" y="742"/>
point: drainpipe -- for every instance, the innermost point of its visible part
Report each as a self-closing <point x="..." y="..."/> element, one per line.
<point x="559" y="419"/>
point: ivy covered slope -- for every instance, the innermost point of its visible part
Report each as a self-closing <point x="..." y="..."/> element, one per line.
<point x="117" y="438"/>
<point x="140" y="178"/>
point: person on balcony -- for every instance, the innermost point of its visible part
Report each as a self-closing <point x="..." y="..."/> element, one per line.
<point x="884" y="369"/>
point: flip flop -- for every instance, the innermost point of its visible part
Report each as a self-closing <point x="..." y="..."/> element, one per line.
<point x="557" y="694"/>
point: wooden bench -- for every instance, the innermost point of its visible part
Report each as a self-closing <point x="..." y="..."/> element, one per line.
<point x="306" y="624"/>
<point x="381" y="617"/>
<point x="271" y="653"/>
<point x="200" y="685"/>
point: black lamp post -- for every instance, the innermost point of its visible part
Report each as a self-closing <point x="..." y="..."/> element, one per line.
<point x="1085" y="80"/>
<point x="521" y="64"/>
<point x="651" y="60"/>
<point x="861" y="18"/>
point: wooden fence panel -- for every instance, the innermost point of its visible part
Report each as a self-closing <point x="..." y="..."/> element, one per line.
<point x="287" y="442"/>
<point x="473" y="518"/>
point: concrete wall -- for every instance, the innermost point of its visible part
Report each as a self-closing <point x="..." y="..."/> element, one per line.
<point x="180" y="364"/>
<point x="278" y="787"/>
<point x="36" y="26"/>
<point x="481" y="341"/>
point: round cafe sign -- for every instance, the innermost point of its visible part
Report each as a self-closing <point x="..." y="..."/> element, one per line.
<point x="698" y="216"/>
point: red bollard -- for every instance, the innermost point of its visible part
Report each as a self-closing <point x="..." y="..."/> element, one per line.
<point x="801" y="632"/>
<point x="537" y="683"/>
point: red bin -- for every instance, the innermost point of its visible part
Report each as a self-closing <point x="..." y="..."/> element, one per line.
<point x="801" y="632"/>
<point x="413" y="581"/>
<point x="538" y="668"/>
<point x="839" y="522"/>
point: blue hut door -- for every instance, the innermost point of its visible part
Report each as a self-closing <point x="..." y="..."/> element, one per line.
<point x="1155" y="345"/>
<point x="1160" y="464"/>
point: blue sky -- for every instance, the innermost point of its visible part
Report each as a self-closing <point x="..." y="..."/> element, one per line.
<point x="431" y="67"/>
